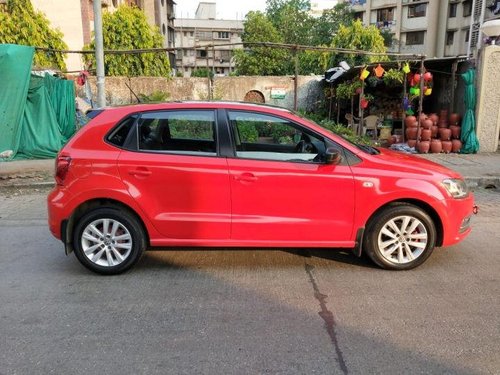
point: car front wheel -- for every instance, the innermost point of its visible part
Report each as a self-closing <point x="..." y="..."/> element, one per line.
<point x="108" y="240"/>
<point x="400" y="237"/>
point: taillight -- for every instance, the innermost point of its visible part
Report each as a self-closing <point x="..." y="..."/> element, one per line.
<point x="62" y="167"/>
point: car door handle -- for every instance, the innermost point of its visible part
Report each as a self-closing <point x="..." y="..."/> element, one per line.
<point x="140" y="172"/>
<point x="245" y="177"/>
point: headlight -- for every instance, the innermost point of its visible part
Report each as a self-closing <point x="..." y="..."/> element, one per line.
<point x="456" y="188"/>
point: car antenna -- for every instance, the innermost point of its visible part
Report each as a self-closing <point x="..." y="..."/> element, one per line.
<point x="132" y="91"/>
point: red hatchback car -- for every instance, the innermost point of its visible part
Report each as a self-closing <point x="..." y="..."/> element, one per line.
<point x="215" y="174"/>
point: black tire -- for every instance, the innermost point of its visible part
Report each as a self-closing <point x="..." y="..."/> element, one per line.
<point x="396" y="214"/>
<point x="128" y="227"/>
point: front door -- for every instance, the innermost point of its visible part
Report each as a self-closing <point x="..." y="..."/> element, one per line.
<point x="281" y="192"/>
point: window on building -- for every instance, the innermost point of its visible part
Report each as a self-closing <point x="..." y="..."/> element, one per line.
<point x="467" y="8"/>
<point x="453" y="10"/>
<point x="222" y="35"/>
<point x="358" y="16"/>
<point x="415" y="38"/>
<point x="417" y="10"/>
<point x="450" y="36"/>
<point x="224" y="55"/>
<point x="385" y="15"/>
<point x="204" y="35"/>
<point x="201" y="53"/>
<point x="467" y="36"/>
<point x="191" y="33"/>
<point x="185" y="33"/>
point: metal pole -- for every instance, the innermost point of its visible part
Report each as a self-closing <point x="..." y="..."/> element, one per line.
<point x="471" y="28"/>
<point x="296" y="81"/>
<point x="421" y="100"/>
<point x="99" y="54"/>
<point x="209" y="88"/>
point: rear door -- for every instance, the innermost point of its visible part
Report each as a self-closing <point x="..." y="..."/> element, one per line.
<point x="280" y="190"/>
<point x="177" y="176"/>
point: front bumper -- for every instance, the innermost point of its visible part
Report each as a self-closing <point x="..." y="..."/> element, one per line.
<point x="457" y="220"/>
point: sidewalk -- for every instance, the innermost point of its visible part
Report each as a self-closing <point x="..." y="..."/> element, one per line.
<point x="479" y="170"/>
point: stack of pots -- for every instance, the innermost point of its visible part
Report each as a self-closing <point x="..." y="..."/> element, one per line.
<point x="437" y="133"/>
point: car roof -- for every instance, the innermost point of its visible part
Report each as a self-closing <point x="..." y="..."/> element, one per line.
<point x="193" y="104"/>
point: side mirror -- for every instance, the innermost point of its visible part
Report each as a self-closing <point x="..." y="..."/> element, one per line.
<point x="332" y="156"/>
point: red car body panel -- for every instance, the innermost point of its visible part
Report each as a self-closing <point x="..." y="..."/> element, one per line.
<point x="186" y="200"/>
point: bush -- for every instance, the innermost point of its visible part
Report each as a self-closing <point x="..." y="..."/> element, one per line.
<point x="248" y="132"/>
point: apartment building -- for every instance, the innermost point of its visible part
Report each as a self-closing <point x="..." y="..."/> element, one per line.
<point x="193" y="34"/>
<point x="436" y="28"/>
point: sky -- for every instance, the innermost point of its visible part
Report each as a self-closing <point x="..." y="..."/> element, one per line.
<point x="226" y="9"/>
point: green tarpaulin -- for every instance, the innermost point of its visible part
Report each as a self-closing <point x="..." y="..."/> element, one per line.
<point x="37" y="113"/>
<point x="470" y="143"/>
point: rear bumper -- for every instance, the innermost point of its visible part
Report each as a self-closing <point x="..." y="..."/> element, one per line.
<point x="57" y="210"/>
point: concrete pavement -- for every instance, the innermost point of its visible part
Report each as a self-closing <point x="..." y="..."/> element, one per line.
<point x="479" y="170"/>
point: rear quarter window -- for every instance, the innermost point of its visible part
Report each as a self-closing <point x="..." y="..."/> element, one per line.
<point x="119" y="134"/>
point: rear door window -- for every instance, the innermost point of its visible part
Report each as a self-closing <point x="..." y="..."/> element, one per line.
<point x="183" y="131"/>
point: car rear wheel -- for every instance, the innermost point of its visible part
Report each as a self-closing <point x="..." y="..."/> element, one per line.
<point x="108" y="240"/>
<point x="400" y="237"/>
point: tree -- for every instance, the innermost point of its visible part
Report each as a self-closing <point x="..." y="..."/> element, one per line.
<point x="128" y="28"/>
<point x="328" y="24"/>
<point x="253" y="60"/>
<point x="292" y="19"/>
<point x="359" y="37"/>
<point x="21" y="24"/>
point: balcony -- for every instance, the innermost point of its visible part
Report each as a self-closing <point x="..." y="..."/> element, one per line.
<point x="384" y="25"/>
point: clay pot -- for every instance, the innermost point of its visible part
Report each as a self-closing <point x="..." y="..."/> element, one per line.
<point x="412" y="143"/>
<point x="436" y="146"/>
<point x="446" y="146"/>
<point x="434" y="118"/>
<point x="427" y="123"/>
<point x="411" y="133"/>
<point x="423" y="117"/>
<point x="455" y="131"/>
<point x="423" y="147"/>
<point x="456" y="145"/>
<point x="434" y="131"/>
<point x="413" y="124"/>
<point x="426" y="135"/>
<point x="410" y="120"/>
<point x="445" y="134"/>
<point x="443" y="118"/>
<point x="454" y="119"/>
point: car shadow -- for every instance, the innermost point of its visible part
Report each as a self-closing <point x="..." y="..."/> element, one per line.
<point x="336" y="255"/>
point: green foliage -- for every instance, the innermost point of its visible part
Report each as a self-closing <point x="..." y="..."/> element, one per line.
<point x="393" y="77"/>
<point x="359" y="37"/>
<point x="190" y="129"/>
<point x="389" y="38"/>
<point x="128" y="28"/>
<point x="179" y="74"/>
<point x="328" y="24"/>
<point x="260" y="60"/>
<point x="202" y="72"/>
<point x="21" y="24"/>
<point x="155" y="97"/>
<point x="346" y="90"/>
<point x="344" y="131"/>
<point x="247" y="131"/>
<point x="292" y="19"/>
<point x="315" y="62"/>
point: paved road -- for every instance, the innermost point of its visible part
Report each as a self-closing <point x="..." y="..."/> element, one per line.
<point x="245" y="312"/>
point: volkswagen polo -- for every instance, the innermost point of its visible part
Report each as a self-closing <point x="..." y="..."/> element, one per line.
<point x="218" y="174"/>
